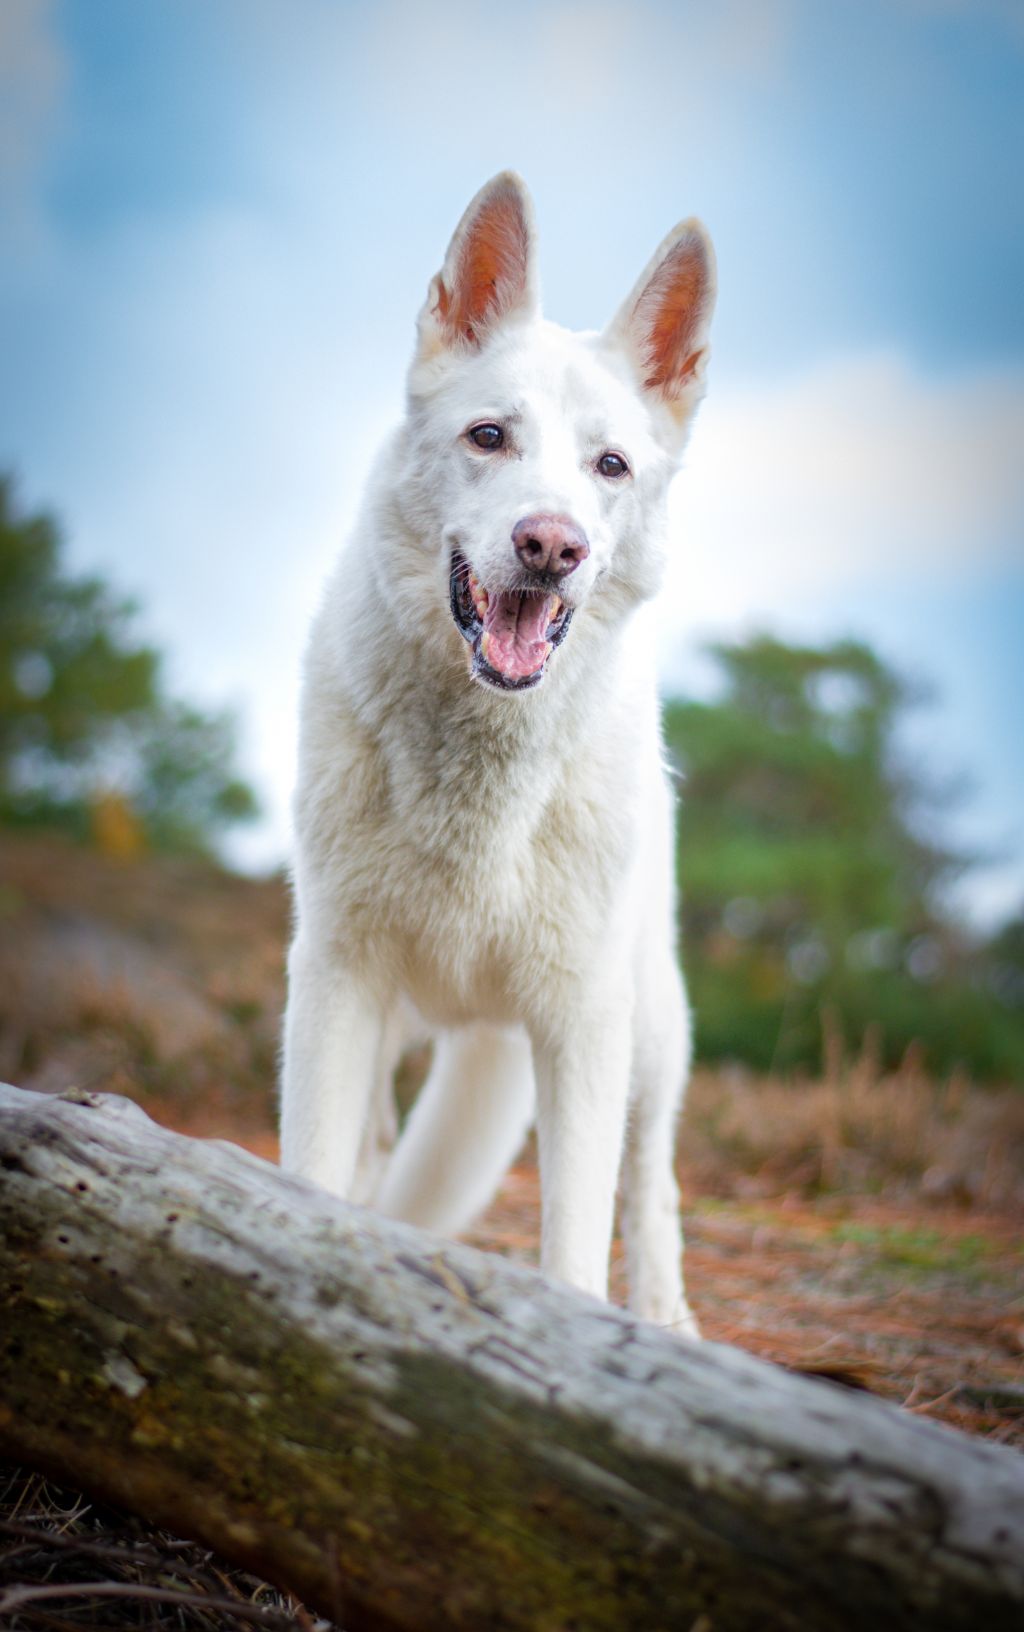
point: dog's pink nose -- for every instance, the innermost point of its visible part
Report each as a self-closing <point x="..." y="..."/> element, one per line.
<point x="553" y="545"/>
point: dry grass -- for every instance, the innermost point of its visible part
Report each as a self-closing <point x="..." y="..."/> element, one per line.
<point x="858" y="1133"/>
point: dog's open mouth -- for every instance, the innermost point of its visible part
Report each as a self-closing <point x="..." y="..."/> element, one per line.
<point x="512" y="634"/>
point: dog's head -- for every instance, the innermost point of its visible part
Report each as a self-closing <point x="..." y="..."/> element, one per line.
<point x="538" y="461"/>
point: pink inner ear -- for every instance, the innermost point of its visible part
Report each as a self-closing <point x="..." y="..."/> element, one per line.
<point x="492" y="267"/>
<point x="670" y="316"/>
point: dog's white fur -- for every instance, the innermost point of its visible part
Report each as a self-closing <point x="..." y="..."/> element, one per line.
<point x="496" y="867"/>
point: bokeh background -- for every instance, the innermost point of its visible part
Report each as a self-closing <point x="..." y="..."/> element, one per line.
<point x="218" y="219"/>
<point x="218" y="225"/>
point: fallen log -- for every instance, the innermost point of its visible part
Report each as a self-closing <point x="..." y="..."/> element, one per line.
<point x="414" y="1435"/>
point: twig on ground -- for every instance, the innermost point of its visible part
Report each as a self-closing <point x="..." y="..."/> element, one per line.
<point x="12" y="1598"/>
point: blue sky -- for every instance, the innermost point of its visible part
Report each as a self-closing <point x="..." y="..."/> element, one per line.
<point x="219" y="218"/>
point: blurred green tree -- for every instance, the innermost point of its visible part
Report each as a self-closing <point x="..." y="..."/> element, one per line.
<point x="89" y="741"/>
<point x="809" y="887"/>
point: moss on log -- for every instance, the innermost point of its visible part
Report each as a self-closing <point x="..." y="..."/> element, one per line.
<point x="410" y="1434"/>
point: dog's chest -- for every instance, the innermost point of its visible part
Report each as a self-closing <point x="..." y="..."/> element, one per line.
<point x="481" y="895"/>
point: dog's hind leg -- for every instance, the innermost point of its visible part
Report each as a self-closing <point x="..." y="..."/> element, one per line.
<point x="402" y="1030"/>
<point x="650" y="1196"/>
<point x="464" y="1130"/>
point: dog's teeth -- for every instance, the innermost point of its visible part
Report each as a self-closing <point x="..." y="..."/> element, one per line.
<point x="485" y="641"/>
<point x="556" y="607"/>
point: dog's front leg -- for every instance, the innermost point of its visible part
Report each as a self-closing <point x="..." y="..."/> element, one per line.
<point x="582" y="1090"/>
<point x="332" y="1037"/>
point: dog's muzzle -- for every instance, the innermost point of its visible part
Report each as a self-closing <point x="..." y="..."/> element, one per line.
<point x="512" y="633"/>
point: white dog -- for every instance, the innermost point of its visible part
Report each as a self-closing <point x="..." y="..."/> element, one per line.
<point x="484" y="824"/>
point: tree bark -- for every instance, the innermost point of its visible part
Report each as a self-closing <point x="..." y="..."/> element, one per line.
<point x="411" y="1434"/>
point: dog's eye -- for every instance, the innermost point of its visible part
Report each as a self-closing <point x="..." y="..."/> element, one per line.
<point x="487" y="437"/>
<point x="612" y="465"/>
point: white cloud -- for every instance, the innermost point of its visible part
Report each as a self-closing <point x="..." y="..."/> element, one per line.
<point x="574" y="79"/>
<point x="859" y="469"/>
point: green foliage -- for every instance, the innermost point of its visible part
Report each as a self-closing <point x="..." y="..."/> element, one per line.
<point x="807" y="884"/>
<point x="84" y="720"/>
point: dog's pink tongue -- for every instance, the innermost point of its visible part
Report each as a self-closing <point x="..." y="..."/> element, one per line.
<point x="514" y="631"/>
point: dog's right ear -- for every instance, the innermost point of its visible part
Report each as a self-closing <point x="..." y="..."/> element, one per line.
<point x="489" y="272"/>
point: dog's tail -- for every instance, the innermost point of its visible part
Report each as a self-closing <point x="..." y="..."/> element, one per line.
<point x="465" y="1129"/>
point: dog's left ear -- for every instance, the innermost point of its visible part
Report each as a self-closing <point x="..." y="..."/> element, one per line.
<point x="663" y="326"/>
<point x="489" y="273"/>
